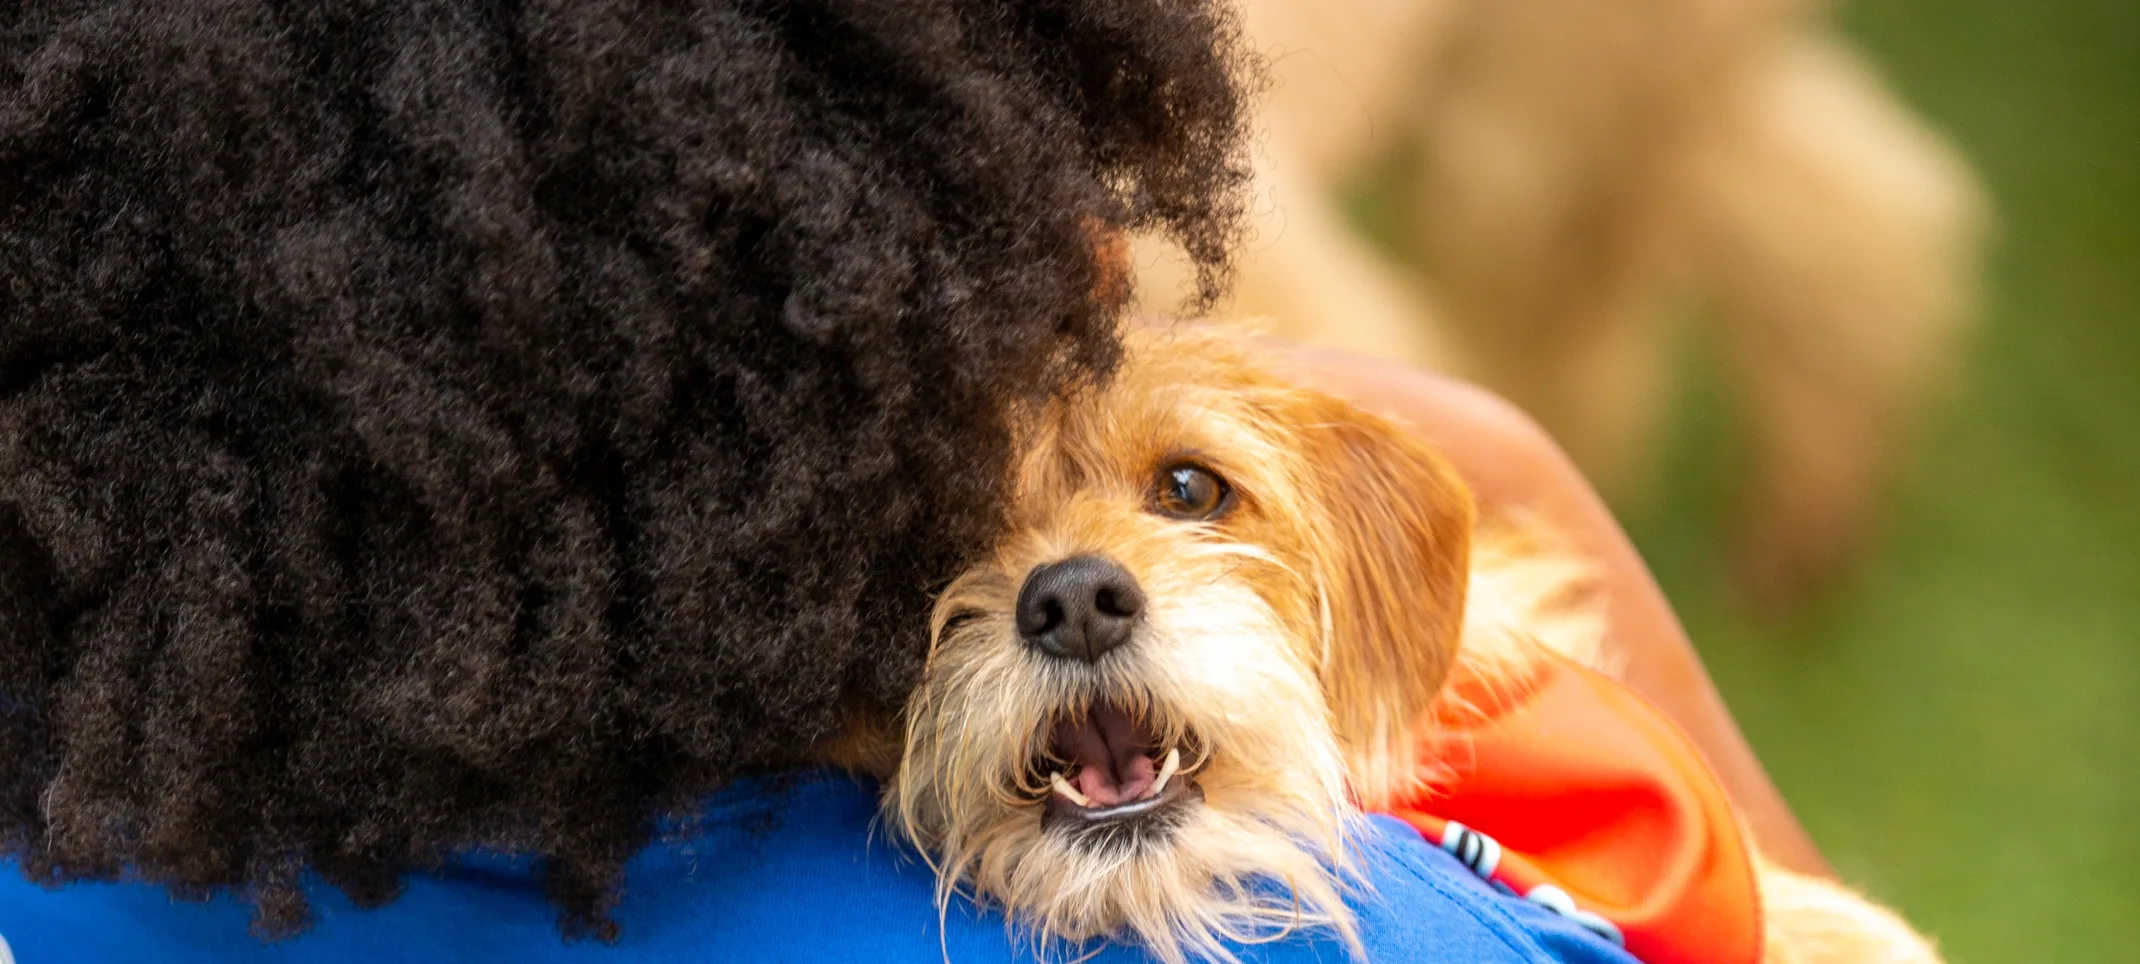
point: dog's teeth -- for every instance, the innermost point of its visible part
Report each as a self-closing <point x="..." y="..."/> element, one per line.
<point x="1167" y="769"/>
<point x="1062" y="786"/>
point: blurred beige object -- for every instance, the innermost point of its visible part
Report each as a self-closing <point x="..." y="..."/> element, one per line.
<point x="1571" y="175"/>
<point x="1343" y="78"/>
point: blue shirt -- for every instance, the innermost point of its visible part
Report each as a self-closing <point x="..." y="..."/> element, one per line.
<point x="819" y="883"/>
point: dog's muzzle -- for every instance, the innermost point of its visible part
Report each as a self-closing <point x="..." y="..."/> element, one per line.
<point x="1104" y="768"/>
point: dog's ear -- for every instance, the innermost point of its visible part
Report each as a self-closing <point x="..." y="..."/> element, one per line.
<point x="1394" y="531"/>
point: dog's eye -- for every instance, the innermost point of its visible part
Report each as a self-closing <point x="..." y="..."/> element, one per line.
<point x="1189" y="491"/>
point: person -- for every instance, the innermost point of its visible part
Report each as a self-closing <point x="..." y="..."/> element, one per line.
<point x="458" y="463"/>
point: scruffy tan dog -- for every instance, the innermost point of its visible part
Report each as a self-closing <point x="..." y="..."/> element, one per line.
<point x="1566" y="178"/>
<point x="1210" y="640"/>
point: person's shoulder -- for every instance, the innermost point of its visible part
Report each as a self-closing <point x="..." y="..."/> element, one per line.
<point x="775" y="870"/>
<point x="1423" y="906"/>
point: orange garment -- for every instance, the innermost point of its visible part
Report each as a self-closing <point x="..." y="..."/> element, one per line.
<point x="1571" y="790"/>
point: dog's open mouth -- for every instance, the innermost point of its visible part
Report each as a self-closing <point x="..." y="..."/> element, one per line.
<point x="1106" y="767"/>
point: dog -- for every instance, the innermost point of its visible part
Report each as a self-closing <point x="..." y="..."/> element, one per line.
<point x="1560" y="182"/>
<point x="1214" y="635"/>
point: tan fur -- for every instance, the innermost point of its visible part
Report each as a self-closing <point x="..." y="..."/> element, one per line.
<point x="1302" y="638"/>
<point x="1813" y="921"/>
<point x="1568" y="177"/>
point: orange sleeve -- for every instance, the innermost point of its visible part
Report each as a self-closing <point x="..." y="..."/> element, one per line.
<point x="1575" y="792"/>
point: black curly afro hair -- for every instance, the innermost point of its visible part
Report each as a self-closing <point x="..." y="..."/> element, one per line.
<point x="448" y="423"/>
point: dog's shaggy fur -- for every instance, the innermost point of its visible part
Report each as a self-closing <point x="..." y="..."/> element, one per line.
<point x="1293" y="642"/>
<point x="442" y="424"/>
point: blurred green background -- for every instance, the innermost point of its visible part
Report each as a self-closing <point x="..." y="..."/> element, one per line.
<point x="1959" y="723"/>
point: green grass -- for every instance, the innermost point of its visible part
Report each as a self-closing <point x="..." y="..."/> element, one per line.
<point x="1959" y="724"/>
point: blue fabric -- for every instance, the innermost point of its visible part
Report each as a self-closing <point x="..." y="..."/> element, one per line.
<point x="820" y="883"/>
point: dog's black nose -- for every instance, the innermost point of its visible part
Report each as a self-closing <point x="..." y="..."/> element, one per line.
<point x="1079" y="608"/>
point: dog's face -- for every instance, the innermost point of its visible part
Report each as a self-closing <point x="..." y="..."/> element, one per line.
<point x="1222" y="608"/>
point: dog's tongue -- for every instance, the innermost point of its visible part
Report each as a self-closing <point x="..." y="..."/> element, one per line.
<point x="1112" y="754"/>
